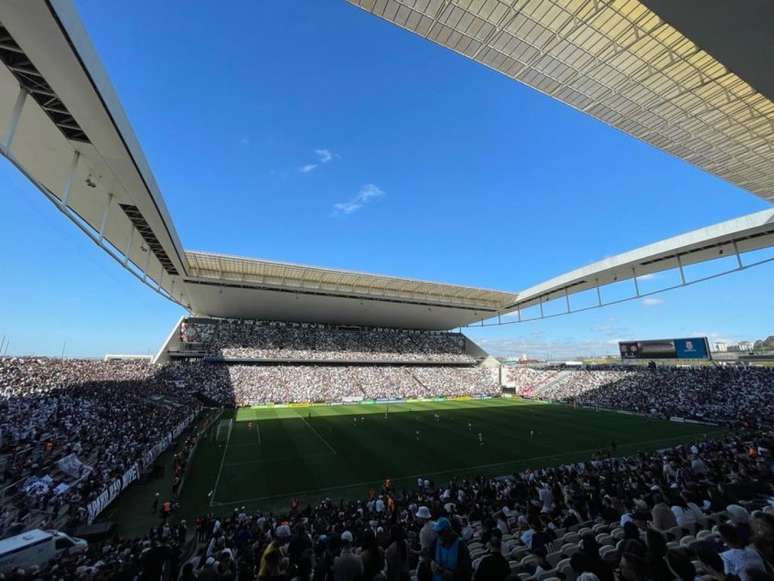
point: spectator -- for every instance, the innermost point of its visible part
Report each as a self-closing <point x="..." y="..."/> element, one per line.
<point x="449" y="556"/>
<point x="738" y="559"/>
<point x="493" y="567"/>
<point x="397" y="556"/>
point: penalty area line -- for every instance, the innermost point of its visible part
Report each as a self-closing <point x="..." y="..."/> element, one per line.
<point x="318" y="434"/>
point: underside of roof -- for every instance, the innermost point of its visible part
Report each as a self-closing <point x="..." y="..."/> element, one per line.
<point x="619" y="62"/>
<point x="727" y="239"/>
<point x="230" y="286"/>
<point x="63" y="126"/>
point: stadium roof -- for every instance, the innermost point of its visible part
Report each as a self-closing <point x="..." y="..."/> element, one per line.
<point x="231" y="286"/>
<point x="729" y="239"/>
<point x="62" y="125"/>
<point x="618" y="61"/>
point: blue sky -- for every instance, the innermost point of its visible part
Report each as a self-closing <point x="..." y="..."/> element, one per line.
<point x="311" y="132"/>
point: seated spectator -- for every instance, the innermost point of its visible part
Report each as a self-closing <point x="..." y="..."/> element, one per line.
<point x="738" y="559"/>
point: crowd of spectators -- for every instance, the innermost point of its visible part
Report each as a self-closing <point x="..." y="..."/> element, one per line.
<point x="684" y="513"/>
<point x="717" y="394"/>
<point x="245" y="385"/>
<point x="70" y="427"/>
<point x="687" y="513"/>
<point x="243" y="339"/>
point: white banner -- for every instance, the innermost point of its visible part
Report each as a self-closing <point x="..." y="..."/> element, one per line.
<point x="72" y="466"/>
<point x="108" y="495"/>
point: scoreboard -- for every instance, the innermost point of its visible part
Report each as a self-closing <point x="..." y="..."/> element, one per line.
<point x="690" y="348"/>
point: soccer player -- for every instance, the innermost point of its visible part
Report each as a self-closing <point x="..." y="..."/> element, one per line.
<point x="437" y="417"/>
<point x="470" y="426"/>
<point x="417" y="435"/>
<point x="480" y="439"/>
<point x="531" y="435"/>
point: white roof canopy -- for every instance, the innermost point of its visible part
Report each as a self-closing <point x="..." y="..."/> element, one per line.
<point x="617" y="61"/>
<point x="730" y="238"/>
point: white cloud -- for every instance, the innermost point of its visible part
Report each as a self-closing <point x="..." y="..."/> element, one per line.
<point x="323" y="156"/>
<point x="244" y="141"/>
<point x="367" y="193"/>
<point x="652" y="301"/>
<point x="650" y="276"/>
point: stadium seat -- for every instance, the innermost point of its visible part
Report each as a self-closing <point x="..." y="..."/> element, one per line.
<point x="674" y="533"/>
<point x="554" y="558"/>
<point x="571" y="538"/>
<point x="705" y="535"/>
<point x="569" y="549"/>
<point x="529" y="559"/>
<point x="605" y="539"/>
<point x="687" y="541"/>
<point x="608" y="553"/>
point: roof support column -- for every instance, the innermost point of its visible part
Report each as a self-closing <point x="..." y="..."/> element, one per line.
<point x="105" y="213"/>
<point x="738" y="256"/>
<point x="567" y="300"/>
<point x="129" y="243"/>
<point x="636" y="283"/>
<point x="147" y="263"/>
<point x="10" y="131"/>
<point x="680" y="266"/>
<point x="69" y="183"/>
<point x="599" y="293"/>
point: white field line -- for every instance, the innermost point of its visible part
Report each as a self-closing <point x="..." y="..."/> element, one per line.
<point x="430" y="474"/>
<point x="323" y="440"/>
<point x="222" y="461"/>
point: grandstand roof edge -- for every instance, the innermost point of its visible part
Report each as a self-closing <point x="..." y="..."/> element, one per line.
<point x="743" y="234"/>
<point x="332" y="270"/>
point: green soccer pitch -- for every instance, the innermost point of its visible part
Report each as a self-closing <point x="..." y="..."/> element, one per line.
<point x="262" y="457"/>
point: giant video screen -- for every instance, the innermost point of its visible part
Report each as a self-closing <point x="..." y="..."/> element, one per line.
<point x="688" y="348"/>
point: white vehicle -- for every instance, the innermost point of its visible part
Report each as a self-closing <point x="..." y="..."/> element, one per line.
<point x="36" y="547"/>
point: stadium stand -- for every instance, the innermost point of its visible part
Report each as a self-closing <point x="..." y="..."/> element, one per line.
<point x="264" y="340"/>
<point x="724" y="395"/>
<point x="72" y="427"/>
<point x="257" y="362"/>
<point x="695" y="508"/>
